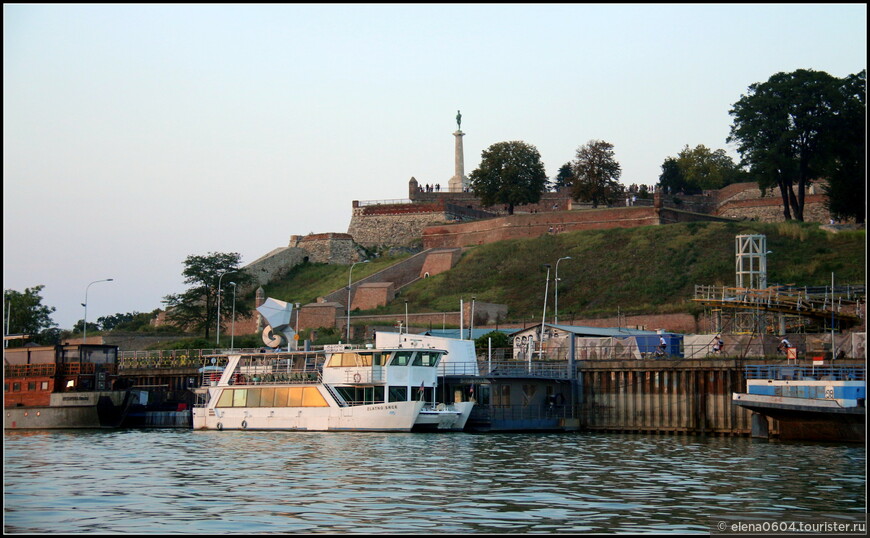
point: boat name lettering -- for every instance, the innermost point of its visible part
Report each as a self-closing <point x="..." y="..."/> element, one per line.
<point x="382" y="407"/>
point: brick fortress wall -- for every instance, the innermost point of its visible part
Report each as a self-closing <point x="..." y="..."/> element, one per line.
<point x="402" y="224"/>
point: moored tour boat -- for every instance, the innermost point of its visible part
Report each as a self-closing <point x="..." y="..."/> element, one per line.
<point x="818" y="403"/>
<point x="61" y="387"/>
<point x="343" y="388"/>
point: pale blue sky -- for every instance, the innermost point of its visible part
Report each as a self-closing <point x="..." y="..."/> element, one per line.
<point x="135" y="136"/>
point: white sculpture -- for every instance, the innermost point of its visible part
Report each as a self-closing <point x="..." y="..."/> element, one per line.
<point x="277" y="332"/>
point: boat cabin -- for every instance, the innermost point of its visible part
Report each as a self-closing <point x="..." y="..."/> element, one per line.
<point x="32" y="374"/>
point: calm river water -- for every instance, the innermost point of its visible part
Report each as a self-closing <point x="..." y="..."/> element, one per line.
<point x="180" y="481"/>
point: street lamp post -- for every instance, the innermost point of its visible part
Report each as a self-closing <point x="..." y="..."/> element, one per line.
<point x="544" y="317"/>
<point x="218" y="332"/>
<point x="85" y="304"/>
<point x="556" y="289"/>
<point x="350" y="273"/>
<point x="296" y="347"/>
<point x="233" y="330"/>
<point x="471" y="321"/>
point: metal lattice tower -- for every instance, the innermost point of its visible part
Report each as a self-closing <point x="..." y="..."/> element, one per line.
<point x="751" y="261"/>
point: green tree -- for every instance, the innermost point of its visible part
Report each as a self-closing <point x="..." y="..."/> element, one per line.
<point x="785" y="129"/>
<point x="596" y="174"/>
<point x="671" y="179"/>
<point x="27" y="315"/>
<point x="130" y="321"/>
<point x="196" y="309"/>
<point x="847" y="188"/>
<point x="698" y="169"/>
<point x="79" y="326"/>
<point x="499" y="340"/>
<point x="708" y="170"/>
<point x="564" y="177"/>
<point x="509" y="173"/>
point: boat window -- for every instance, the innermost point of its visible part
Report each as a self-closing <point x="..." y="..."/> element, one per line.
<point x="311" y="397"/>
<point x="295" y="399"/>
<point x="426" y="358"/>
<point x="267" y="398"/>
<point x="361" y="395"/>
<point x="398" y="394"/>
<point x="402" y="358"/>
<point x="380" y="359"/>
<point x="282" y="396"/>
<point x="350" y="359"/>
<point x="226" y="399"/>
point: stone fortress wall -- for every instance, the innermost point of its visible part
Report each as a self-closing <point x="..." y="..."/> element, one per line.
<point x="447" y="219"/>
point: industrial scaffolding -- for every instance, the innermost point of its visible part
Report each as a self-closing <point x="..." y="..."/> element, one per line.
<point x="753" y="307"/>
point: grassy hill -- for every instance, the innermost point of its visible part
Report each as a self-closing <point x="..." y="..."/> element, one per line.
<point x="650" y="269"/>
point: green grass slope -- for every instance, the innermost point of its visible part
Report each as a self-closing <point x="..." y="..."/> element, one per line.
<point x="650" y="269"/>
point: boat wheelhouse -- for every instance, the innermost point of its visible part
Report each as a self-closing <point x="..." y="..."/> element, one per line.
<point x="342" y="388"/>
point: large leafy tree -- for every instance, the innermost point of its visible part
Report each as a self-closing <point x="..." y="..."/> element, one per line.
<point x="196" y="308"/>
<point x="698" y="169"/>
<point x="671" y="178"/>
<point x="847" y="172"/>
<point x="130" y="321"/>
<point x="786" y="130"/>
<point x="596" y="174"/>
<point x="509" y="173"/>
<point x="27" y="315"/>
<point x="564" y="177"/>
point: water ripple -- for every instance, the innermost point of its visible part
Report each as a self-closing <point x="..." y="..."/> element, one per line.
<point x="179" y="481"/>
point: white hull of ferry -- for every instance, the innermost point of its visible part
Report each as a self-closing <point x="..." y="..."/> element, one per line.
<point x="444" y="417"/>
<point x="380" y="417"/>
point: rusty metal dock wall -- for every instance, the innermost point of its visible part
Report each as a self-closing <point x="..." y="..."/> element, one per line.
<point x="664" y="396"/>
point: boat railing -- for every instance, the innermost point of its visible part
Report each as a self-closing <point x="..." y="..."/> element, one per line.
<point x="546" y="369"/>
<point x="523" y="412"/>
<point x="832" y="373"/>
<point x="364" y="375"/>
<point x="277" y="378"/>
<point x="29" y="370"/>
<point x="51" y="369"/>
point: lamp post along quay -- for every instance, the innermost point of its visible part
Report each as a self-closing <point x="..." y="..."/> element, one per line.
<point x="218" y="332"/>
<point x="233" y="330"/>
<point x="349" y="276"/>
<point x="544" y="316"/>
<point x="556" y="290"/>
<point x="85" y="304"/>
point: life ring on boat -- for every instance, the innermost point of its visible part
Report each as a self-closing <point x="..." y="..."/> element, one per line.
<point x="244" y="424"/>
<point x="220" y="426"/>
<point x="356" y="377"/>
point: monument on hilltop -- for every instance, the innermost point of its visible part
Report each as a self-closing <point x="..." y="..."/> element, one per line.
<point x="458" y="183"/>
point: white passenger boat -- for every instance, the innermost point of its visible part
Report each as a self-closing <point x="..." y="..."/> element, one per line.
<point x="341" y="389"/>
<point x="452" y="413"/>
